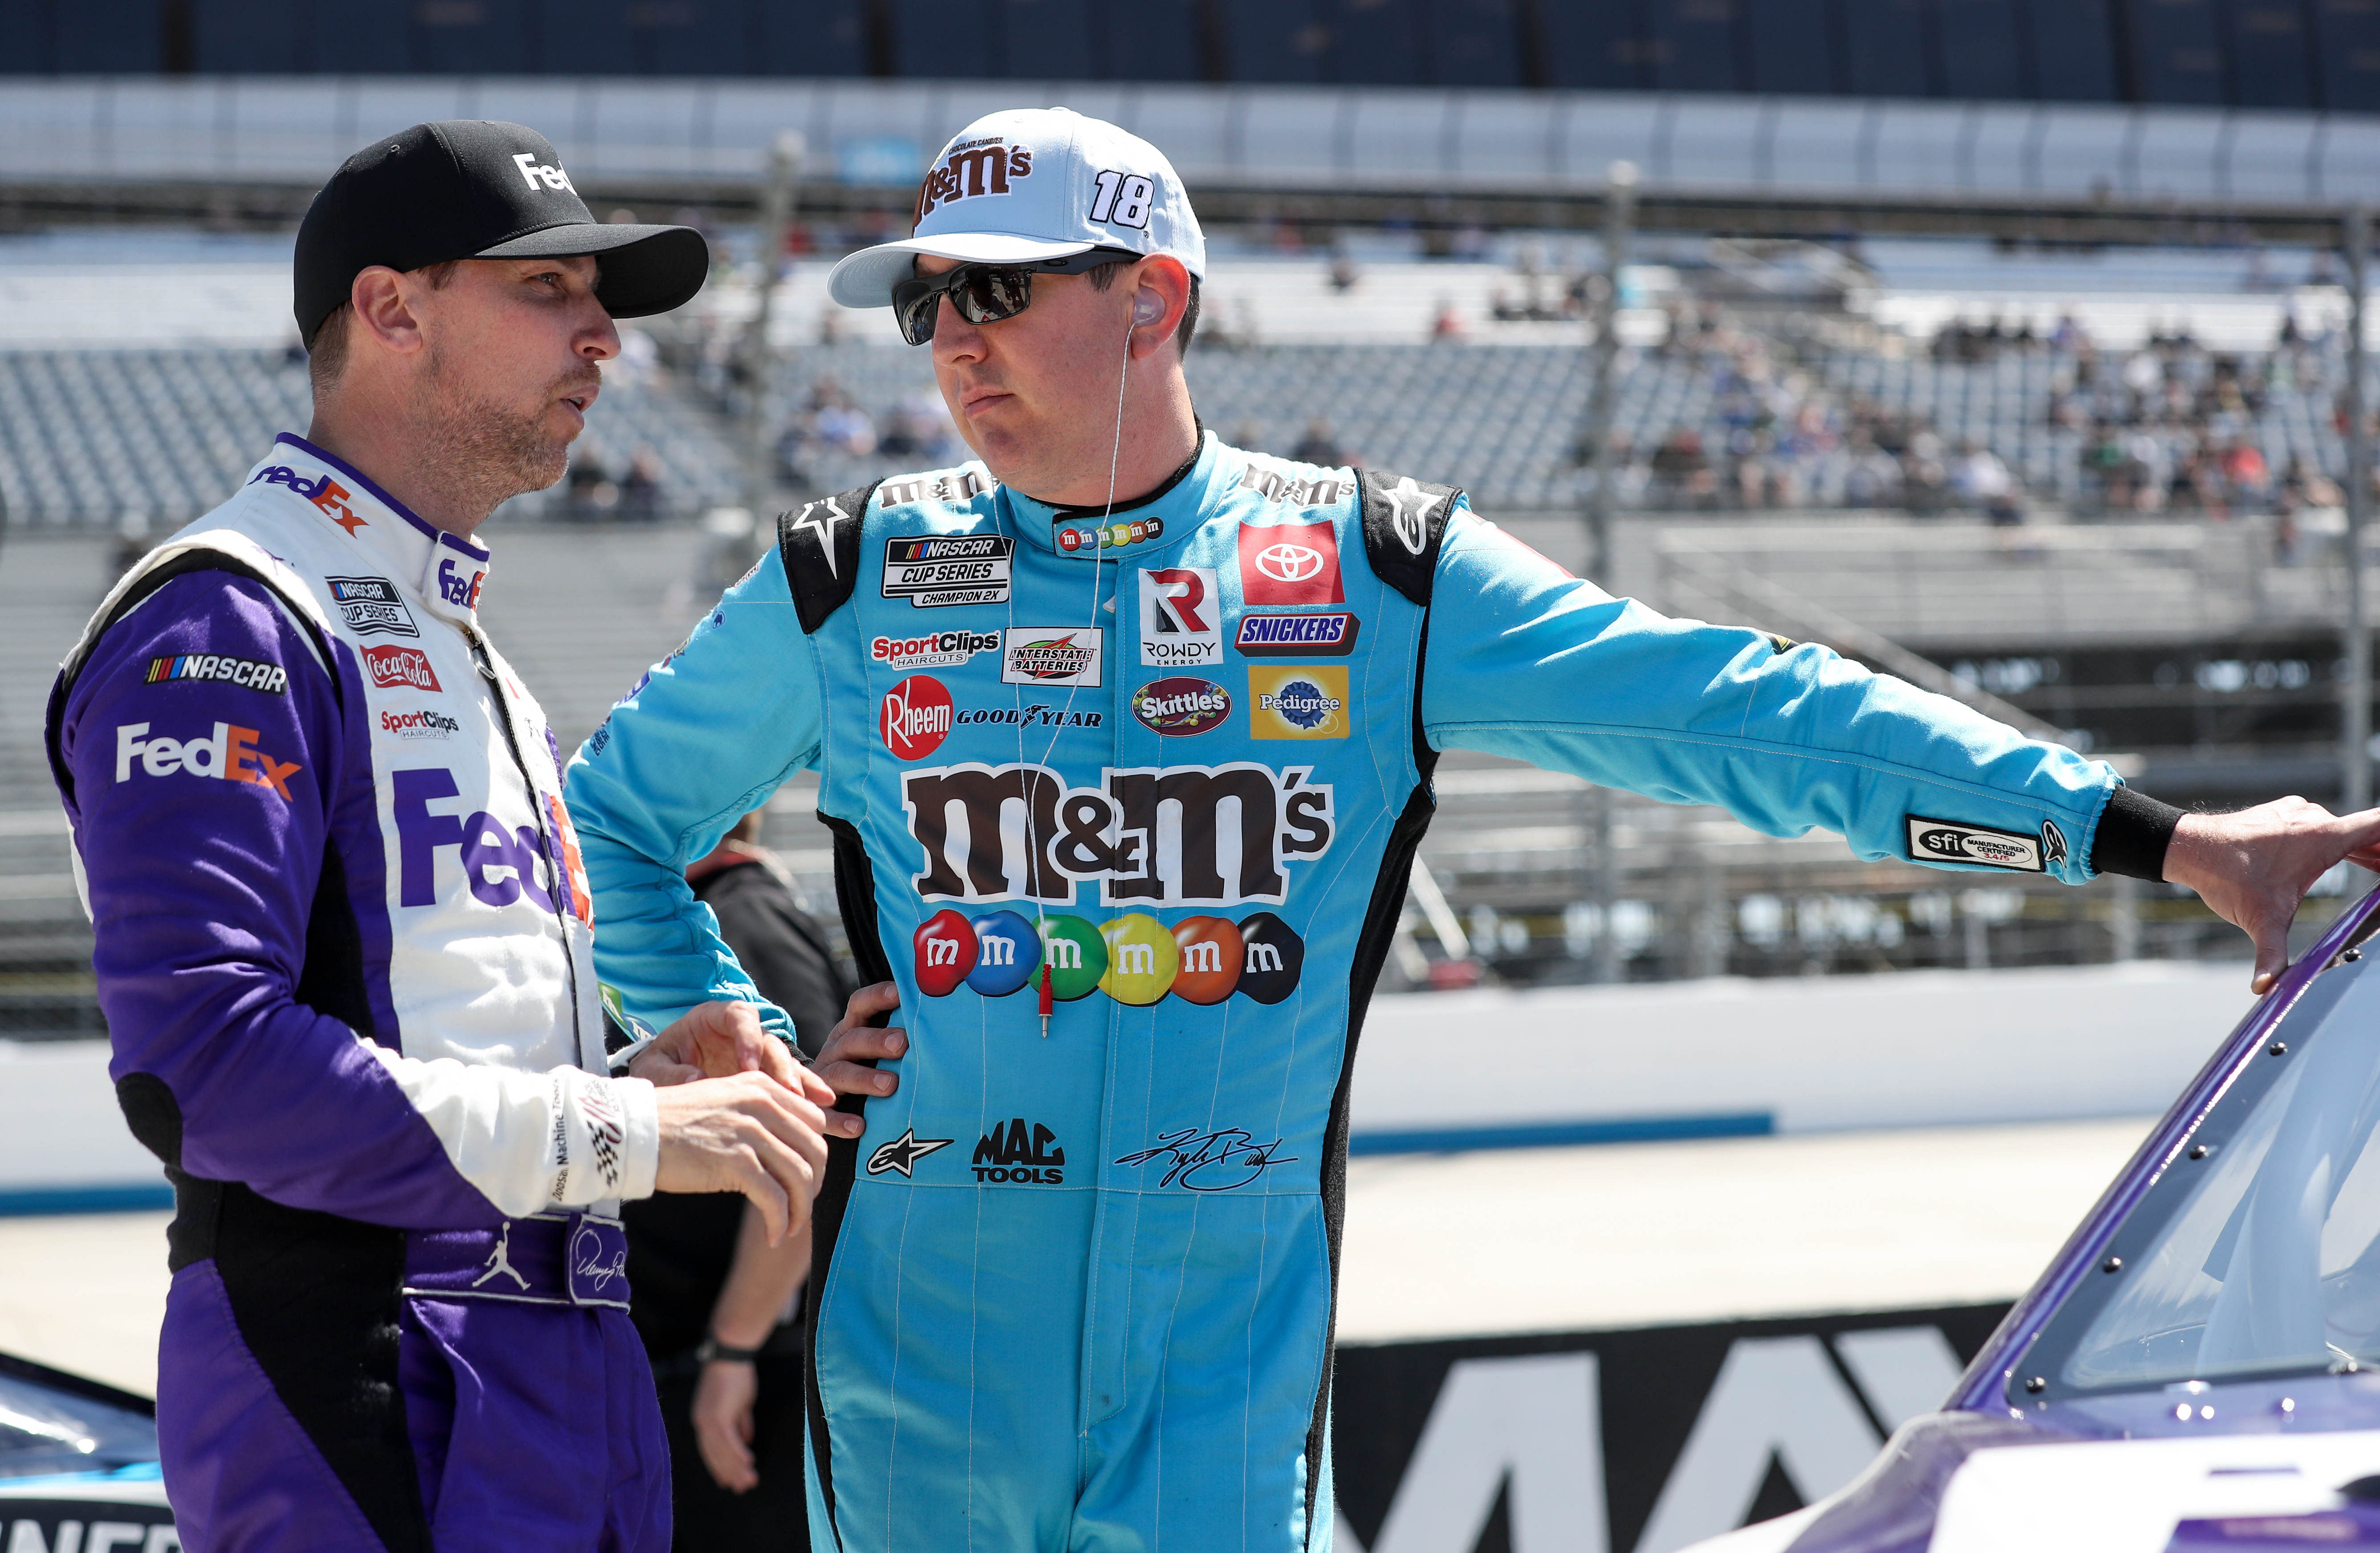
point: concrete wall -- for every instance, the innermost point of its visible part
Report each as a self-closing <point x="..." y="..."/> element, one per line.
<point x="1484" y="1070"/>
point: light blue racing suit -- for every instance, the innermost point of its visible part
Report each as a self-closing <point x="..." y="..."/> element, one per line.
<point x="1167" y="770"/>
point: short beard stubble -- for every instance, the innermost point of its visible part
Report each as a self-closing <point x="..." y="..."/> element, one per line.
<point x="490" y="451"/>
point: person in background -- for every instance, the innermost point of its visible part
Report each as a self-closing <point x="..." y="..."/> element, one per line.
<point x="716" y="1304"/>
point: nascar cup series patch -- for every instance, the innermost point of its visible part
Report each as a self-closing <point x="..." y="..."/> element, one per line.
<point x="1953" y="841"/>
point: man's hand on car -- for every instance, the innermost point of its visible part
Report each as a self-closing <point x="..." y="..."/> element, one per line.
<point x="2253" y="867"/>
<point x="853" y="1043"/>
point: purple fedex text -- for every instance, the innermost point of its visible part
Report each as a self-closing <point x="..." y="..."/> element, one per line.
<point x="459" y="590"/>
<point x="500" y="865"/>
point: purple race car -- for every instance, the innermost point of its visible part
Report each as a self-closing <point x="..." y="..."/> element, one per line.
<point x="2200" y="1365"/>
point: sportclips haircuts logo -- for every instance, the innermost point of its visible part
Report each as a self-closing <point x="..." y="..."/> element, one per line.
<point x="972" y="823"/>
<point x="971" y="168"/>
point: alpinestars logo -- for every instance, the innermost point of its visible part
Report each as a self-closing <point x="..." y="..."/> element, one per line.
<point x="1111" y="834"/>
<point x="971" y="168"/>
<point x="904" y="1152"/>
<point x="1026" y="1153"/>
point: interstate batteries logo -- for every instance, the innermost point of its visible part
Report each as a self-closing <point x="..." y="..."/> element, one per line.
<point x="1134" y="959"/>
<point x="1050" y="655"/>
<point x="934" y="570"/>
<point x="941" y="649"/>
<point x="1181" y="706"/>
<point x="1297" y="703"/>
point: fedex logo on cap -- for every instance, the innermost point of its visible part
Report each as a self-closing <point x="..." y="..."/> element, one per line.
<point x="972" y="167"/>
<point x="542" y="175"/>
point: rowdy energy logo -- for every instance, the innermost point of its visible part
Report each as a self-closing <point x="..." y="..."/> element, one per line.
<point x="1290" y="563"/>
<point x="1052" y="655"/>
<point x="1325" y="633"/>
<point x="1297" y="703"/>
<point x="1181" y="705"/>
<point x="391" y="666"/>
<point x="916" y="717"/>
<point x="1180" y="623"/>
<point x="1154" y="835"/>
<point x="972" y="168"/>
<point x="1134" y="959"/>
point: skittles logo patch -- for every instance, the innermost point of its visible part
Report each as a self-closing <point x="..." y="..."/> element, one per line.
<point x="1134" y="959"/>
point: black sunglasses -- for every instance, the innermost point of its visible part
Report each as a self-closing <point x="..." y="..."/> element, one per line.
<point x="985" y="293"/>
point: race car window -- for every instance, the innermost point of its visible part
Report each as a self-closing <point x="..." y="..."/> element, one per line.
<point x="2256" y="1252"/>
<point x="52" y="1422"/>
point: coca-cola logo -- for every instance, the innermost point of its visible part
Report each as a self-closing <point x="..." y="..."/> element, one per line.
<point x="392" y="666"/>
<point x="917" y="715"/>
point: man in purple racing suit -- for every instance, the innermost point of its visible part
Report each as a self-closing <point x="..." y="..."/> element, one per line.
<point x="343" y="937"/>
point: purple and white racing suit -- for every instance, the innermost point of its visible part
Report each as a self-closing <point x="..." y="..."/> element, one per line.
<point x="343" y="952"/>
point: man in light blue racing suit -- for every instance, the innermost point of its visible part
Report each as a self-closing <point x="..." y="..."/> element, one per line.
<point x="1125" y="739"/>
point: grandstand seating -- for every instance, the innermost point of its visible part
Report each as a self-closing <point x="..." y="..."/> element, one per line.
<point x="111" y="436"/>
<point x="154" y="438"/>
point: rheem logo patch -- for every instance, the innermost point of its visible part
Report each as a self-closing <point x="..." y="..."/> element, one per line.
<point x="916" y="717"/>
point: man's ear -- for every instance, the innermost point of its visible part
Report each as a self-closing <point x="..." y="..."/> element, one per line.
<point x="384" y="312"/>
<point x="1170" y="280"/>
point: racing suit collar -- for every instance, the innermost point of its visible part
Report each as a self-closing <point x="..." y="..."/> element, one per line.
<point x="446" y="574"/>
<point x="1144" y="526"/>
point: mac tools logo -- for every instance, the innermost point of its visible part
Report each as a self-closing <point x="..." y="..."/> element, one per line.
<point x="1181" y="618"/>
<point x="971" y="168"/>
<point x="1030" y="1158"/>
<point x="1290" y="563"/>
<point x="1227" y="832"/>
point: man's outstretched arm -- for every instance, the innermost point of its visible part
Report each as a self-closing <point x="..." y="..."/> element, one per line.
<point x="1528" y="661"/>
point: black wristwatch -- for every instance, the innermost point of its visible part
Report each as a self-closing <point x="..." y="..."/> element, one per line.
<point x="711" y="1351"/>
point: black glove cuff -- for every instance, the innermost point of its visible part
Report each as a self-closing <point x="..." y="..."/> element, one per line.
<point x="2133" y="831"/>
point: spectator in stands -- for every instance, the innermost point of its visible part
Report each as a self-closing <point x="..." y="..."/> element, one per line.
<point x="1982" y="482"/>
<point x="1682" y="474"/>
<point x="640" y="492"/>
<point x="1319" y="446"/>
<point x="1446" y="324"/>
<point x="1344" y="273"/>
<point x="589" y="495"/>
<point x="715" y="1303"/>
<point x="919" y="429"/>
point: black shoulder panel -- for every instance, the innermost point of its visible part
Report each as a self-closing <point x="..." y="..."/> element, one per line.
<point x="1404" y="521"/>
<point x="820" y="544"/>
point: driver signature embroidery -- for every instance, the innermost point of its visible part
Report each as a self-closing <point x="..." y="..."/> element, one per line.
<point x="1210" y="1162"/>
<point x="584" y="1250"/>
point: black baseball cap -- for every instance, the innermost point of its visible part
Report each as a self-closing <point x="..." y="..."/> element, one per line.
<point x="478" y="189"/>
